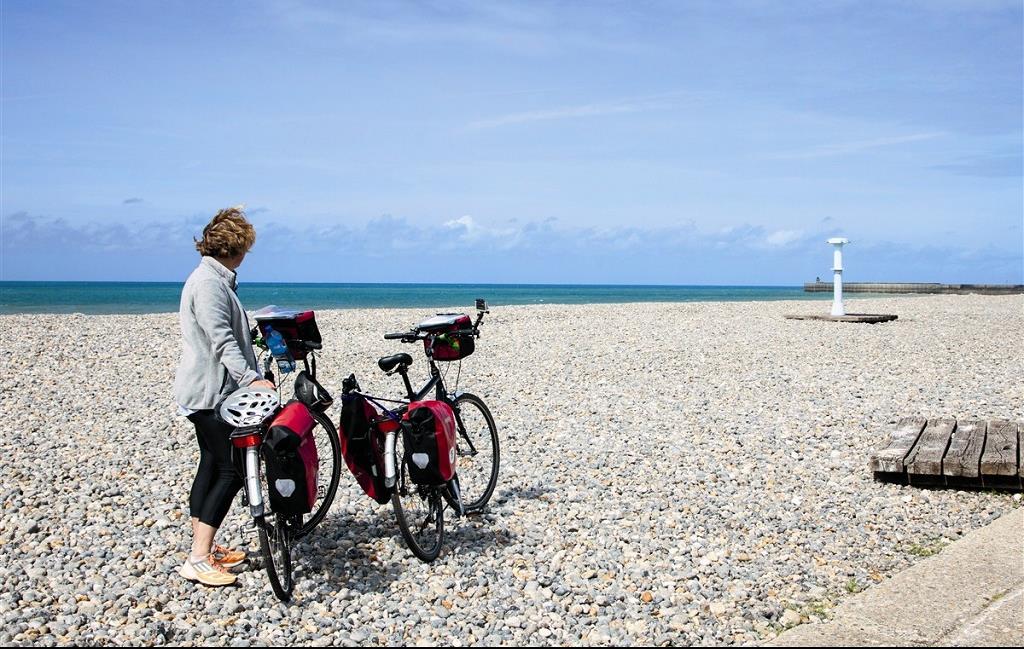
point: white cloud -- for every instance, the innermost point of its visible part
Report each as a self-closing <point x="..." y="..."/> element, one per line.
<point x="782" y="238"/>
<point x="465" y="222"/>
<point x="568" y="112"/>
<point x="628" y="105"/>
<point x="847" y="148"/>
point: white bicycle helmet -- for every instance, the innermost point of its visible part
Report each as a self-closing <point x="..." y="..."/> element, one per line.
<point x="248" y="406"/>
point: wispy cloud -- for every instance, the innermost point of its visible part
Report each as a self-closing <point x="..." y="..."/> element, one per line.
<point x="131" y="201"/>
<point x="630" y="105"/>
<point x="848" y="148"/>
<point x="783" y="238"/>
<point x="524" y="28"/>
<point x="1009" y="165"/>
<point x="33" y="97"/>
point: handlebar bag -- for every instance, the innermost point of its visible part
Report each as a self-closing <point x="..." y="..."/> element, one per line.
<point x="449" y="346"/>
<point x="295" y="327"/>
<point x="430" y="442"/>
<point x="363" y="450"/>
<point x="292" y="461"/>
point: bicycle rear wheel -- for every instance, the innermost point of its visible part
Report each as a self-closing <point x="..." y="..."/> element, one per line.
<point x="328" y="447"/>
<point x="478" y="451"/>
<point x="275" y="546"/>
<point x="419" y="510"/>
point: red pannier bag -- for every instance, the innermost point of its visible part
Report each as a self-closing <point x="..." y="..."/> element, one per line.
<point x="449" y="346"/>
<point x="430" y="442"/>
<point x="362" y="446"/>
<point x="293" y="465"/>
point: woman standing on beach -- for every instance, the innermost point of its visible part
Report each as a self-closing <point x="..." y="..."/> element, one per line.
<point x="216" y="359"/>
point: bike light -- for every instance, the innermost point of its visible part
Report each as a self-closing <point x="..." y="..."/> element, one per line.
<point x="247" y="440"/>
<point x="387" y="425"/>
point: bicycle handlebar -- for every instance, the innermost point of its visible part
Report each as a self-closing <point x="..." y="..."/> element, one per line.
<point x="413" y="336"/>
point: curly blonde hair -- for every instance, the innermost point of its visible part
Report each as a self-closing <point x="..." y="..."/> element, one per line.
<point x="229" y="234"/>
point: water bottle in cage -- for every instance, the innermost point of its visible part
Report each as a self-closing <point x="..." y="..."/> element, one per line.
<point x="279" y="348"/>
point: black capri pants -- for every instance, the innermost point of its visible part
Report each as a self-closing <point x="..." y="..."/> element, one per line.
<point x="217" y="482"/>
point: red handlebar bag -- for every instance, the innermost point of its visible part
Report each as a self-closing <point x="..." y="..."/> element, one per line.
<point x="363" y="446"/>
<point x="451" y="346"/>
<point x="293" y="464"/>
<point x="295" y="329"/>
<point x="430" y="442"/>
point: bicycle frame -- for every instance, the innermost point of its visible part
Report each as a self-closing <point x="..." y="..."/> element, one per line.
<point x="434" y="383"/>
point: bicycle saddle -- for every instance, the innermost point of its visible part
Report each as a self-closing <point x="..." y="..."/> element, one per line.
<point x="389" y="363"/>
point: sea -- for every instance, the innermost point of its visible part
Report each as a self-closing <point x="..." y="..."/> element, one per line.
<point x="163" y="297"/>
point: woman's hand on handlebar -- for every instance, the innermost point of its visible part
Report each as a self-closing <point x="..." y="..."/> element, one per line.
<point x="262" y="383"/>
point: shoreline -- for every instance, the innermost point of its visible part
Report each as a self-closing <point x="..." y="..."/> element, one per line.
<point x="164" y="298"/>
<point x="812" y="298"/>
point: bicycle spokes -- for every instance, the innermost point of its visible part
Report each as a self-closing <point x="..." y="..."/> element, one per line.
<point x="465" y="436"/>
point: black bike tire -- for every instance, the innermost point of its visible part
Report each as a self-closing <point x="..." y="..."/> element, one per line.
<point x="317" y="516"/>
<point x="478" y="504"/>
<point x="280" y="576"/>
<point x="423" y="554"/>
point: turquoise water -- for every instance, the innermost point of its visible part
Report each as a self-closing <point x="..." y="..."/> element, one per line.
<point x="162" y="297"/>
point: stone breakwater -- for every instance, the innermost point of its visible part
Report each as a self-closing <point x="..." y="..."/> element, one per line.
<point x="671" y="473"/>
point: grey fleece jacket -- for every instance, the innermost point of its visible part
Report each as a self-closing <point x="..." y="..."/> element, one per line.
<point x="217" y="356"/>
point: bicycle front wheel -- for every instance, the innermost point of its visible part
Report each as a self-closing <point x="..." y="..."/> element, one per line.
<point x="328" y="448"/>
<point x="477" y="450"/>
<point x="275" y="546"/>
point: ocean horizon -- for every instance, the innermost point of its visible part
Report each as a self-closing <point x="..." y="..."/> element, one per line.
<point x="163" y="297"/>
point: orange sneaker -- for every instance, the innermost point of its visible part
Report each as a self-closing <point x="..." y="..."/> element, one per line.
<point x="207" y="572"/>
<point x="226" y="556"/>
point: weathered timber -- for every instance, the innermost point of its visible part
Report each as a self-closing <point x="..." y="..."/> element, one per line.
<point x="1020" y="452"/>
<point x="1000" y="455"/>
<point x="963" y="459"/>
<point x="869" y="318"/>
<point x="970" y="454"/>
<point x="890" y="459"/>
<point x="926" y="456"/>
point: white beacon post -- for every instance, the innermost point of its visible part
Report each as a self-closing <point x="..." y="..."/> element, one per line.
<point x="837" y="280"/>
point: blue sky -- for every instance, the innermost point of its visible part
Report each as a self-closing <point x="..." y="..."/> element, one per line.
<point x="617" y="142"/>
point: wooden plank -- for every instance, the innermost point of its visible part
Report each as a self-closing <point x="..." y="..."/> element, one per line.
<point x="1000" y="455"/>
<point x="1020" y="452"/>
<point x="963" y="459"/>
<point x="926" y="458"/>
<point x="890" y="459"/>
<point x="870" y="318"/>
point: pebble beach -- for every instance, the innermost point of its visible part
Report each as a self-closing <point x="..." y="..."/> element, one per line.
<point x="671" y="473"/>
